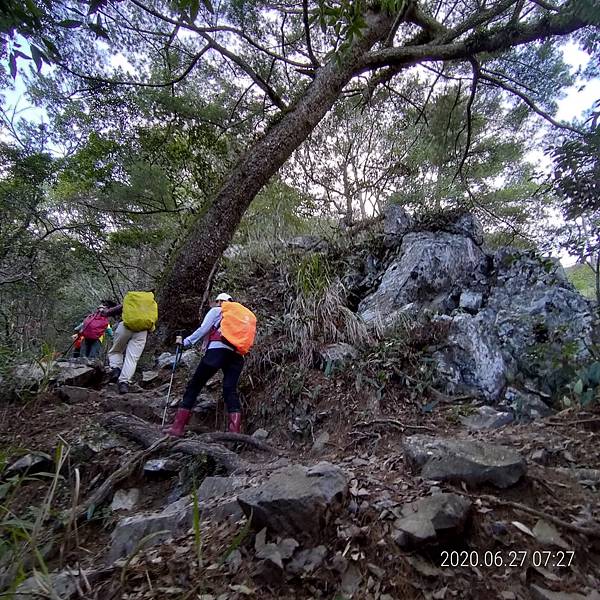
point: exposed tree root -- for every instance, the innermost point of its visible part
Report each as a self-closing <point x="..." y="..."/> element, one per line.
<point x="222" y="436"/>
<point x="122" y="473"/>
<point x="393" y="423"/>
<point x="146" y="434"/>
<point x="590" y="532"/>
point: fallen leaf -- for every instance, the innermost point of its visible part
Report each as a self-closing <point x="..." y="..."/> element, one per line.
<point x="523" y="528"/>
<point x="242" y="589"/>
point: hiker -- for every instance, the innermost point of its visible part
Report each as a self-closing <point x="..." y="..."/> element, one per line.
<point x="77" y="341"/>
<point x="227" y="332"/>
<point x="92" y="329"/>
<point x="139" y="315"/>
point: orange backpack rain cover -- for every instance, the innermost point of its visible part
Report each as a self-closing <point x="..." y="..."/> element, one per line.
<point x="238" y="326"/>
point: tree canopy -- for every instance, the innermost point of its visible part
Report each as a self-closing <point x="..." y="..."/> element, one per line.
<point x="177" y="113"/>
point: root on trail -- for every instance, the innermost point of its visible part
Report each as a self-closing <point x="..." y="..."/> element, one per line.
<point x="146" y="434"/>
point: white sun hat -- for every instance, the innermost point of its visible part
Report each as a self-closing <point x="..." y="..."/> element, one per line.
<point x="224" y="297"/>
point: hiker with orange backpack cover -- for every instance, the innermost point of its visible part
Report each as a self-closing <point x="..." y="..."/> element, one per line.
<point x="227" y="332"/>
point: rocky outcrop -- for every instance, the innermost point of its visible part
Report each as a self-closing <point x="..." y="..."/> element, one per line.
<point x="470" y="461"/>
<point x="430" y="271"/>
<point x="296" y="500"/>
<point x="513" y="315"/>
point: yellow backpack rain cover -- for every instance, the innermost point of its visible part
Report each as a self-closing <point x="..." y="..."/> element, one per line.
<point x="238" y="326"/>
<point x="140" y="311"/>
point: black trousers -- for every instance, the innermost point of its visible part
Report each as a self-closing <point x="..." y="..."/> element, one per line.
<point x="231" y="363"/>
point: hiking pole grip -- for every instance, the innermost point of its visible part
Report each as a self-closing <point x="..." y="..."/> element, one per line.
<point x="179" y="340"/>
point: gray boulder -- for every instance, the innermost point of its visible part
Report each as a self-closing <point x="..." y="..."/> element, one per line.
<point x="535" y="307"/>
<point x="471" y="360"/>
<point x="63" y="584"/>
<point x="166" y="359"/>
<point x="426" y="519"/>
<point x="467" y="225"/>
<point x="526" y="406"/>
<point x="296" y="500"/>
<point x="396" y="223"/>
<point x="430" y="268"/>
<point x="174" y="520"/>
<point x="470" y="461"/>
<point x="72" y="394"/>
<point x="30" y="463"/>
<point x="72" y="373"/>
<point x="216" y="501"/>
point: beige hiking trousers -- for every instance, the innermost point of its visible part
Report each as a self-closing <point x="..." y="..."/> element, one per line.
<point x="131" y="345"/>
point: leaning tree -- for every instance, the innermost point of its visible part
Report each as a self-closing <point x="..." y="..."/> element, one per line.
<point x="295" y="60"/>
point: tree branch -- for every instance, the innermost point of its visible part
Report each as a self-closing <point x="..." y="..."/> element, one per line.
<point x="486" y="41"/>
<point x="118" y="82"/>
<point x="311" y="55"/>
<point x="469" y="124"/>
<point x="242" y="64"/>
<point x="499" y="83"/>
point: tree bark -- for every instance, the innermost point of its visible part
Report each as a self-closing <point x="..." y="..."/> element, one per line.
<point x="187" y="276"/>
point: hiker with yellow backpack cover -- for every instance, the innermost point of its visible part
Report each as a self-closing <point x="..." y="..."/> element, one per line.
<point x="139" y="316"/>
<point x="227" y="332"/>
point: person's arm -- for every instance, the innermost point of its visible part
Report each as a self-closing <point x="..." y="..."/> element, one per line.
<point x="210" y="320"/>
<point x="112" y="312"/>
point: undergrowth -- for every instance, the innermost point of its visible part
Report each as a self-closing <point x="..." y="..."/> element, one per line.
<point x="317" y="312"/>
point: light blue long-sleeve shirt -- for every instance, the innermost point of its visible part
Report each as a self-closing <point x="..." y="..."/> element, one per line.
<point x="212" y="319"/>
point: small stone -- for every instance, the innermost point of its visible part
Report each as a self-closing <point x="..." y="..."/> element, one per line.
<point x="261" y="434"/>
<point x="307" y="561"/>
<point x="161" y="465"/>
<point x="432" y="516"/>
<point x="30" y="463"/>
<point x="487" y="418"/>
<point x="540" y="593"/>
<point x="320" y="443"/>
<point x="470" y="301"/>
<point x="540" y="456"/>
<point x="125" y="499"/>
<point x="351" y="580"/>
<point x="149" y="376"/>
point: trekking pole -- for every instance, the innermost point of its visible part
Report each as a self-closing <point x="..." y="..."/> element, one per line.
<point x="178" y="342"/>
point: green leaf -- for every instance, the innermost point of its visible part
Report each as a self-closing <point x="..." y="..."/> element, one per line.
<point x="51" y="47"/>
<point x="578" y="387"/>
<point x="209" y="6"/>
<point x="98" y="30"/>
<point x="12" y="64"/>
<point x="38" y="57"/>
<point x="70" y="23"/>
<point x="194" y="8"/>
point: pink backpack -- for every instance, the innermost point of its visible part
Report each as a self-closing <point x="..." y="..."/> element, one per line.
<point x="94" y="326"/>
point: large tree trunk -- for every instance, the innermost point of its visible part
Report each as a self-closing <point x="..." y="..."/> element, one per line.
<point x="187" y="276"/>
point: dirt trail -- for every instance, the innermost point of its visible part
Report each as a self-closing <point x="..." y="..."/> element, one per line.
<point x="362" y="558"/>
